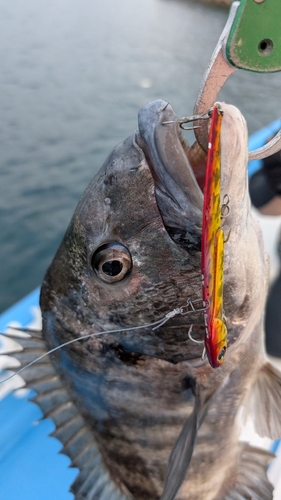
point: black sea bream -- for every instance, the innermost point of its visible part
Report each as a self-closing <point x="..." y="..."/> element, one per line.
<point x="138" y="411"/>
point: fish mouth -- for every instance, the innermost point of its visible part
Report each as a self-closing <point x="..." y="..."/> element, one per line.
<point x="178" y="172"/>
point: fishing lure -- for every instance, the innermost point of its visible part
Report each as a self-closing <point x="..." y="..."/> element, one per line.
<point x="213" y="249"/>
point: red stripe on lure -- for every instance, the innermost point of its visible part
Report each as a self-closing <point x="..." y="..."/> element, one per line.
<point x="213" y="249"/>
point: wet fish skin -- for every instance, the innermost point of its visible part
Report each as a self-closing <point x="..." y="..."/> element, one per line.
<point x="150" y="291"/>
<point x="135" y="391"/>
<point x="123" y="375"/>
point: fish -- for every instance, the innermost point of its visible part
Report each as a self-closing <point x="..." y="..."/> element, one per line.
<point x="138" y="411"/>
<point x="213" y="249"/>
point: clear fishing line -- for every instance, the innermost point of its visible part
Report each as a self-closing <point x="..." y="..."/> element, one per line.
<point x="156" y="324"/>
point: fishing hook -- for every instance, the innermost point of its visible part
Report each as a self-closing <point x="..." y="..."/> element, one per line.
<point x="203" y="356"/>
<point x="227" y="237"/>
<point x="189" y="128"/>
<point x="191" y="338"/>
<point x="193" y="118"/>
<point x="188" y="119"/>
<point x="183" y="128"/>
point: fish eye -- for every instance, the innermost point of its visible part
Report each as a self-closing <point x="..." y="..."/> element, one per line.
<point x="112" y="262"/>
<point x="221" y="354"/>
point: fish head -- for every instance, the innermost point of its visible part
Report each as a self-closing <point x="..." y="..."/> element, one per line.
<point x="132" y="251"/>
<point x="124" y="262"/>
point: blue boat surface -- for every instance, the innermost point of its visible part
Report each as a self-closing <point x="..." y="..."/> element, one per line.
<point x="258" y="139"/>
<point x="31" y="466"/>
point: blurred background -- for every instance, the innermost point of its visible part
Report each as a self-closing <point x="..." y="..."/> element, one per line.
<point x="74" y="74"/>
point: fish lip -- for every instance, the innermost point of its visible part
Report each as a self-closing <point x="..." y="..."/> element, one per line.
<point x="178" y="195"/>
<point x="159" y="127"/>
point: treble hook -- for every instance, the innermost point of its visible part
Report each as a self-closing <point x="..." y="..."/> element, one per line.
<point x="203" y="356"/>
<point x="191" y="338"/>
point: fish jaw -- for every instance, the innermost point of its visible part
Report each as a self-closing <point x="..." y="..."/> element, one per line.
<point x="178" y="195"/>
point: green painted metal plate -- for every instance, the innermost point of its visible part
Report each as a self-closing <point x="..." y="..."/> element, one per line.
<point x="254" y="42"/>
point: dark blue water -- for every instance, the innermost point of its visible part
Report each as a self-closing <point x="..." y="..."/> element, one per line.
<point x="73" y="76"/>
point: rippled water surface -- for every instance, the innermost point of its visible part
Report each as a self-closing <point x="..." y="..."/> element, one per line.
<point x="74" y="74"/>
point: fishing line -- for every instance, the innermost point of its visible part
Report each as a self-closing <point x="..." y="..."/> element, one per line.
<point x="156" y="324"/>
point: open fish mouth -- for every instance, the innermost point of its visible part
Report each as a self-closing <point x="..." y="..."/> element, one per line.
<point x="177" y="180"/>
